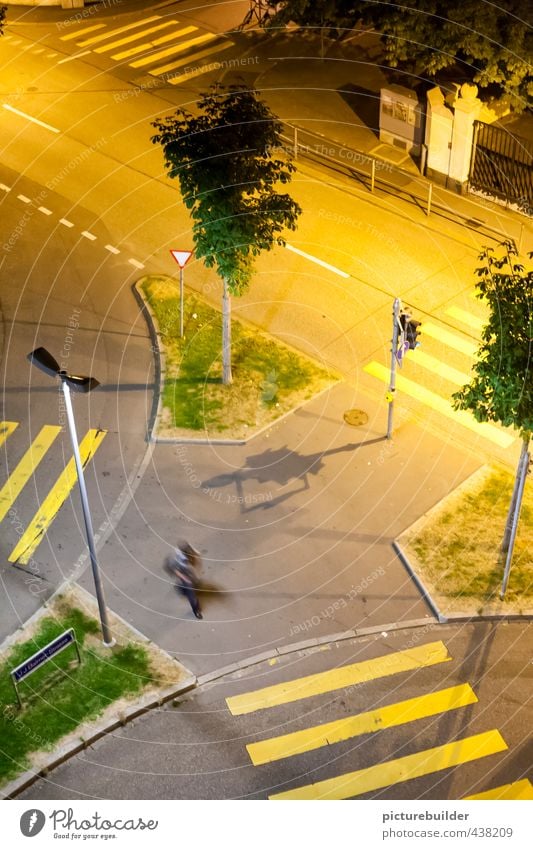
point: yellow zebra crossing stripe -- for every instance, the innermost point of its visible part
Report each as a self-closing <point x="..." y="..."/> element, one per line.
<point x="389" y="716"/>
<point x="54" y="500"/>
<point x="170" y="51"/>
<point x="465" y="317"/>
<point x="147" y="45"/>
<point x="401" y="769"/>
<point x="518" y="790"/>
<point x="6" y="429"/>
<point x="195" y="72"/>
<point x="432" y="364"/>
<point x="334" y="679"/>
<point x="95" y="39"/>
<point x="441" y="405"/>
<point x="129" y="38"/>
<point x="26" y="467"/>
<point x="452" y="340"/>
<point x="72" y="35"/>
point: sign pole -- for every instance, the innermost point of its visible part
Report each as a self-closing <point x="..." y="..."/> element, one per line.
<point x="182" y="258"/>
<point x="392" y="384"/>
<point x="181" y="302"/>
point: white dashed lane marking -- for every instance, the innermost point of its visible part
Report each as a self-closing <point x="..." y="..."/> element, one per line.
<point x="65" y="222"/>
<point x="5" y="188"/>
<point x="135" y="263"/>
<point x="112" y="249"/>
<point x="88" y="235"/>
<point x="24" y="199"/>
<point x="44" y="210"/>
<point x="30" y="118"/>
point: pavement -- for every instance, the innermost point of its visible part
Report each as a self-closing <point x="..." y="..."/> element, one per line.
<point x="296" y="527"/>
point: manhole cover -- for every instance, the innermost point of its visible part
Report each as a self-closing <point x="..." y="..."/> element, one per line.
<point x="355" y="418"/>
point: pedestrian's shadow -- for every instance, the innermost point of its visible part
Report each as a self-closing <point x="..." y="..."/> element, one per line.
<point x="278" y="466"/>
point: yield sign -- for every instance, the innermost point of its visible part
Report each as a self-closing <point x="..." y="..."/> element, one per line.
<point x="181" y="257"/>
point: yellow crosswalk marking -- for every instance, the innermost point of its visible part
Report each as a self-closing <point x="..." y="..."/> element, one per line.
<point x="112" y="32"/>
<point x="459" y="378"/>
<point x="441" y="405"/>
<point x="464" y="346"/>
<point x="522" y="789"/>
<point x="389" y="716"/>
<point x="26" y="467"/>
<point x="147" y="45"/>
<point x="401" y="769"/>
<point x="54" y="500"/>
<point x="6" y="429"/>
<point x="465" y="317"/>
<point x="173" y="66"/>
<point x="73" y="35"/>
<point x="170" y="51"/>
<point x="334" y="679"/>
<point x="129" y="38"/>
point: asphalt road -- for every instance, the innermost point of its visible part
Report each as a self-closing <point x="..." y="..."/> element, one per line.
<point x="197" y="749"/>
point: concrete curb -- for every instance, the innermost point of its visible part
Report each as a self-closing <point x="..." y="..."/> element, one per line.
<point x="478" y="476"/>
<point x="419" y="584"/>
<point x="305" y="645"/>
<point x="159" y="352"/>
<point x="90" y="732"/>
<point x="94" y="733"/>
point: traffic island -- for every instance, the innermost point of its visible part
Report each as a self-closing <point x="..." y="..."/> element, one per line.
<point x="270" y="379"/>
<point x="79" y="694"/>
<point x="453" y="550"/>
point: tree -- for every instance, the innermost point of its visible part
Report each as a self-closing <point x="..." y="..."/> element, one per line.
<point x="502" y="387"/>
<point x="492" y="43"/>
<point x="223" y="159"/>
<point x="3" y="10"/>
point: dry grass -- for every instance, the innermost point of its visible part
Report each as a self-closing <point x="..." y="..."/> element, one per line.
<point x="269" y="378"/>
<point x="455" y="548"/>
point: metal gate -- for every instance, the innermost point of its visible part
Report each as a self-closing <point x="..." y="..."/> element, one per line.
<point x="502" y="165"/>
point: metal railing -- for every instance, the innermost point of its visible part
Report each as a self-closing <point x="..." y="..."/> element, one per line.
<point x="373" y="172"/>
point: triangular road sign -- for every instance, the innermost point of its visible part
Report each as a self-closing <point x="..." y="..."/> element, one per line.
<point x="181" y="257"/>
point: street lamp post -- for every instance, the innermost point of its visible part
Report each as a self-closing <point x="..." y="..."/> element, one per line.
<point x="46" y="363"/>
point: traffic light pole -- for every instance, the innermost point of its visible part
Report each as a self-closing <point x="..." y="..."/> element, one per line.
<point x="394" y="347"/>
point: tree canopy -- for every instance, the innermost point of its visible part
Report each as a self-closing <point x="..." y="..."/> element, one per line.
<point x="3" y="10"/>
<point x="226" y="163"/>
<point x="501" y="389"/>
<point x="490" y="43"/>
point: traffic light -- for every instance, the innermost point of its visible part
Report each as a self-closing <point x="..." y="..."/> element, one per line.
<point x="410" y="331"/>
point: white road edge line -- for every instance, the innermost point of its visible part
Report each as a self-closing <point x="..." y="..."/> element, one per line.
<point x="318" y="261"/>
<point x="30" y="118"/>
<point x="76" y="56"/>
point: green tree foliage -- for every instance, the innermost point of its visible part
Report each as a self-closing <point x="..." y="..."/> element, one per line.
<point x="3" y="10"/>
<point x="491" y="43"/>
<point x="228" y="174"/>
<point x="501" y="389"/>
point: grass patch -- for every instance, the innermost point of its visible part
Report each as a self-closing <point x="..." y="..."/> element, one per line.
<point x="268" y="377"/>
<point x="455" y="549"/>
<point x="61" y="695"/>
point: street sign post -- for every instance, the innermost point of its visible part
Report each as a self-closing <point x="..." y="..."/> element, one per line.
<point x="66" y="639"/>
<point x="182" y="258"/>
